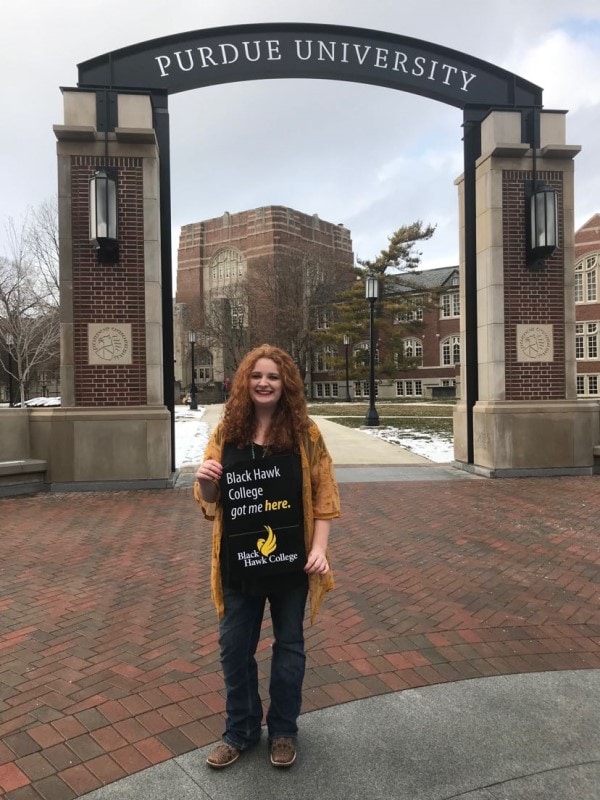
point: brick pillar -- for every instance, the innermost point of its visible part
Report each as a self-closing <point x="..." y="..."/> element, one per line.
<point x="112" y="428"/>
<point x="527" y="419"/>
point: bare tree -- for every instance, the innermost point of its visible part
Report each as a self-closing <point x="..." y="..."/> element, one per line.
<point x="41" y="237"/>
<point x="29" y="317"/>
<point x="223" y="322"/>
<point x="289" y="300"/>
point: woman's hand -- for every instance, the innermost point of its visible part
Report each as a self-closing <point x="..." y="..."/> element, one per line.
<point x="316" y="563"/>
<point x="208" y="475"/>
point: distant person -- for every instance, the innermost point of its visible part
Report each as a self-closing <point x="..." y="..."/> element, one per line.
<point x="226" y="388"/>
<point x="266" y="432"/>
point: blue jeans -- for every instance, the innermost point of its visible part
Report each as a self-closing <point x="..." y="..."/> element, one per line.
<point x="239" y="635"/>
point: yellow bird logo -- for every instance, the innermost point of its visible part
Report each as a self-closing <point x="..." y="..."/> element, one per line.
<point x="268" y="545"/>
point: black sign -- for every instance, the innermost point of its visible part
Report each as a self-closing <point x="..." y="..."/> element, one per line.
<point x="262" y="517"/>
<point x="289" y="50"/>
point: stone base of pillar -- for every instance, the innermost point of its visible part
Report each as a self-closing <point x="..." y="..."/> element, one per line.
<point x="513" y="439"/>
<point x="103" y="448"/>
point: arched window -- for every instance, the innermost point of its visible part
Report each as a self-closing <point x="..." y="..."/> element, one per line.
<point x="203" y="366"/>
<point x="226" y="266"/>
<point x="361" y="354"/>
<point x="586" y="279"/>
<point x="450" y="351"/>
<point x="413" y="348"/>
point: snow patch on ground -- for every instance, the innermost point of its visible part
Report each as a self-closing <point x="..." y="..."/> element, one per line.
<point x="434" y="447"/>
<point x="191" y="436"/>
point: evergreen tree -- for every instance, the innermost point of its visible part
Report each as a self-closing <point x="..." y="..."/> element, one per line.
<point x="395" y="310"/>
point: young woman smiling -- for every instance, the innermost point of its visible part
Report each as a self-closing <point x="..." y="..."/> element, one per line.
<point x="266" y="419"/>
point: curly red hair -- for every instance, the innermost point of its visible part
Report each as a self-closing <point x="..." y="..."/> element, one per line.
<point x="290" y="418"/>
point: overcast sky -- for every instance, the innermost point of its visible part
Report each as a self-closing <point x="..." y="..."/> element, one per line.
<point x="368" y="157"/>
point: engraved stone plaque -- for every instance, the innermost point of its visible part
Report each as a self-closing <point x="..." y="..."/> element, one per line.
<point x="109" y="343"/>
<point x="535" y="343"/>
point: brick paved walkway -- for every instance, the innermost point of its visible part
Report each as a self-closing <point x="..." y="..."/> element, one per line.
<point x="108" y="643"/>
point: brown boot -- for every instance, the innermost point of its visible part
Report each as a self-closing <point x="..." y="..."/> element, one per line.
<point x="223" y="756"/>
<point x="283" y="752"/>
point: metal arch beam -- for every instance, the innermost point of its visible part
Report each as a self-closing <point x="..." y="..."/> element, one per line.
<point x="236" y="53"/>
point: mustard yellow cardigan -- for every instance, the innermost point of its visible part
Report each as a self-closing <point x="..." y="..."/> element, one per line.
<point x="320" y="500"/>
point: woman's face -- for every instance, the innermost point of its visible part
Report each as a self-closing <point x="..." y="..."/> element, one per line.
<point x="265" y="384"/>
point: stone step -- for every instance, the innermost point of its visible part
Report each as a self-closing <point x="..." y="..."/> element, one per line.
<point x="22" y="476"/>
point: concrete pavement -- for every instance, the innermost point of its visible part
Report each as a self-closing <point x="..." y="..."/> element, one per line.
<point x="357" y="457"/>
<point x="458" y="657"/>
<point x="524" y="737"/>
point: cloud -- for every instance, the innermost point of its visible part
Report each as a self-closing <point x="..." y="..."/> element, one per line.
<point x="567" y="68"/>
<point x="365" y="156"/>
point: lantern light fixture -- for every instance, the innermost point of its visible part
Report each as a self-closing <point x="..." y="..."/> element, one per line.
<point x="103" y="215"/>
<point x="542" y="224"/>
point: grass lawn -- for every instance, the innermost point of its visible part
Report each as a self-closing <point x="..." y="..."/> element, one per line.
<point x="410" y="418"/>
<point x="386" y="410"/>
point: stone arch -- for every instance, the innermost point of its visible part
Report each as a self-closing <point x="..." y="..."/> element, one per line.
<point x="118" y="116"/>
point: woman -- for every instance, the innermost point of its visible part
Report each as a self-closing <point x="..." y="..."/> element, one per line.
<point x="265" y="420"/>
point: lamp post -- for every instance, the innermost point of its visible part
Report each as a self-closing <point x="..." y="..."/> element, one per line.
<point x="43" y="381"/>
<point x="346" y="345"/>
<point x="193" y="401"/>
<point x="240" y="329"/>
<point x="372" y="293"/>
<point x="9" y="339"/>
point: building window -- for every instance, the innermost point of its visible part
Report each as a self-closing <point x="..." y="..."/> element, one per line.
<point x="361" y="354"/>
<point x="361" y="389"/>
<point x="204" y="369"/>
<point x="413" y="348"/>
<point x="451" y="351"/>
<point x="586" y="341"/>
<point x="587" y="385"/>
<point x="324" y="319"/>
<point x="586" y="279"/>
<point x="237" y="315"/>
<point x="450" y="305"/>
<point x="324" y="359"/>
<point x="227" y="266"/>
<point x="326" y="390"/>
<point x="412" y="313"/>
<point x="409" y="388"/>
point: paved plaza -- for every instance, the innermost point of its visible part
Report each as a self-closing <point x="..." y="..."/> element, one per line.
<point x="459" y="655"/>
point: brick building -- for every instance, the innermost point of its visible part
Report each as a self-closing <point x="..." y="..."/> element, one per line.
<point x="218" y="260"/>
<point x="587" y="307"/>
<point x="439" y="342"/>
<point x="213" y="246"/>
<point x="431" y="341"/>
